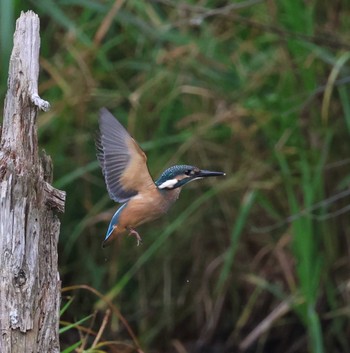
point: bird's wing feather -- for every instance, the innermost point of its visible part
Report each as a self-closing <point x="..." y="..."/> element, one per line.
<point x="122" y="161"/>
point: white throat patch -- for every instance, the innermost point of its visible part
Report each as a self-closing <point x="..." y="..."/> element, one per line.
<point x="169" y="184"/>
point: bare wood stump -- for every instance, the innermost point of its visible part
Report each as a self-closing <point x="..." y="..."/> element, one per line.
<point x="29" y="226"/>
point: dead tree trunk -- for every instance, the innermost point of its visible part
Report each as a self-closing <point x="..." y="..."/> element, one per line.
<point x="29" y="227"/>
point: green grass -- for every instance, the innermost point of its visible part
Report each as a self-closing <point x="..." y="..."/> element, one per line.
<point x="6" y="35"/>
<point x="261" y="93"/>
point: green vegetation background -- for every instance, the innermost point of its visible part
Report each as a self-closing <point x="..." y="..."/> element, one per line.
<point x="258" y="261"/>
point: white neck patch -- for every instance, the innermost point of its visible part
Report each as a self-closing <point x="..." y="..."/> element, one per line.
<point x="169" y="184"/>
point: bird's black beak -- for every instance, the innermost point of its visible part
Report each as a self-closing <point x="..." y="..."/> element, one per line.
<point x="209" y="173"/>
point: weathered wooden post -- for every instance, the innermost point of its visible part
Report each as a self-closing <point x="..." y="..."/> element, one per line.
<point x="29" y="227"/>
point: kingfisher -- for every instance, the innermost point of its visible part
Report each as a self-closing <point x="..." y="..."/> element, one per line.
<point x="128" y="181"/>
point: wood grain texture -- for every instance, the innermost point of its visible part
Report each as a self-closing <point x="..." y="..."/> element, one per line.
<point x="29" y="226"/>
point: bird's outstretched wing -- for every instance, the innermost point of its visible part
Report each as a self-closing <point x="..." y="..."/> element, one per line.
<point x="122" y="160"/>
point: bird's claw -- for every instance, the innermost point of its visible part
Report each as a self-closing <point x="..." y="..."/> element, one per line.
<point x="137" y="236"/>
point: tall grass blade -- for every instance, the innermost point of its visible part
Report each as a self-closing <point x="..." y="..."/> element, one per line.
<point x="75" y="324"/>
<point x="72" y="347"/>
<point x="240" y="222"/>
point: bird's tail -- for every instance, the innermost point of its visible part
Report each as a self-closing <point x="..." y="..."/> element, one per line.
<point x="112" y="233"/>
<point x="113" y="229"/>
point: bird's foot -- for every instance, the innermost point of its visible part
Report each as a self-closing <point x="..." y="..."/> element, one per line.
<point x="136" y="235"/>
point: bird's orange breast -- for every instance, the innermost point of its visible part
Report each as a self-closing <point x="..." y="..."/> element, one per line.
<point x="147" y="206"/>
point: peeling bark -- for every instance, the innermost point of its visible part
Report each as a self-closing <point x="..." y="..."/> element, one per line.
<point x="29" y="226"/>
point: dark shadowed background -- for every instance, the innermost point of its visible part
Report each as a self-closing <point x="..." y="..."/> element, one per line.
<point x="257" y="261"/>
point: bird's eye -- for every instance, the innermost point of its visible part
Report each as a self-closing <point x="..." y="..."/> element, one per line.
<point x="188" y="172"/>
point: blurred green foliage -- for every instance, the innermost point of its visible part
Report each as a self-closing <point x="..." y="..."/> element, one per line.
<point x="258" y="261"/>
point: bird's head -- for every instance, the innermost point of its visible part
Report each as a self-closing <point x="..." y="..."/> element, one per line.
<point x="179" y="175"/>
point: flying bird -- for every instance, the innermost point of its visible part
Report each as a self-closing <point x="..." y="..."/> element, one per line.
<point x="128" y="181"/>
